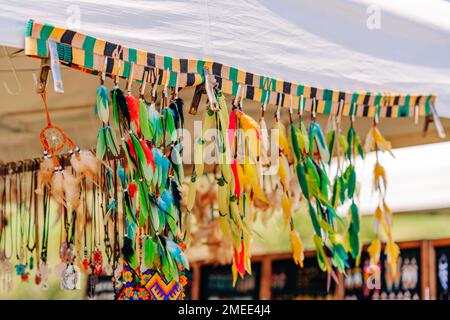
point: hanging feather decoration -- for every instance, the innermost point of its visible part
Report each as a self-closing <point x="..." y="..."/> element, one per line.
<point x="71" y="187"/>
<point x="375" y="141"/>
<point x="176" y="106"/>
<point x="46" y="169"/>
<point x="383" y="215"/>
<point x="120" y="106"/>
<point x="102" y="106"/>
<point x="133" y="107"/>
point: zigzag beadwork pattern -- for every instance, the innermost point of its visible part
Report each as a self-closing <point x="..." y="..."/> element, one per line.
<point x="148" y="285"/>
<point x="94" y="55"/>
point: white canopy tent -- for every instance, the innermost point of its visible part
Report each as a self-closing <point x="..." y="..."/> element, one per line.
<point x="353" y="45"/>
<point x="324" y="43"/>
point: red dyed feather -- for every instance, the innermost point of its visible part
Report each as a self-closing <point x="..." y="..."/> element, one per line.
<point x="133" y="106"/>
<point x="239" y="259"/>
<point x="237" y="185"/>
<point x="231" y="132"/>
<point x="131" y="149"/>
<point x="148" y="153"/>
<point x="132" y="188"/>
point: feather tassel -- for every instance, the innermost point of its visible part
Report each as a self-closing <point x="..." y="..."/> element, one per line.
<point x="102" y="106"/>
<point x="121" y="111"/>
<point x="133" y="107"/>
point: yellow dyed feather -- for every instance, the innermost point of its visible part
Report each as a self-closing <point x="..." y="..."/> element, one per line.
<point x="392" y="252"/>
<point x="283" y="140"/>
<point x="234" y="273"/>
<point x="234" y="210"/>
<point x="374" y="251"/>
<point x="208" y="121"/>
<point x="223" y="195"/>
<point x="379" y="175"/>
<point x="248" y="123"/>
<point x="252" y="177"/>
<point x="375" y="141"/>
<point x="297" y="248"/>
<point x="198" y="157"/>
<point x="224" y="226"/>
<point x="287" y="205"/>
<point x="379" y="216"/>
<point x="191" y="195"/>
<point x="223" y="113"/>
<point x="226" y="171"/>
<point x="283" y="171"/>
<point x="343" y="144"/>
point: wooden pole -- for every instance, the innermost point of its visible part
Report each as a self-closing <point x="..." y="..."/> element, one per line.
<point x="195" y="287"/>
<point x="265" y="288"/>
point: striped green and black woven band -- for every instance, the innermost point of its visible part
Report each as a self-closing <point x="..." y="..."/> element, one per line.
<point x="94" y="55"/>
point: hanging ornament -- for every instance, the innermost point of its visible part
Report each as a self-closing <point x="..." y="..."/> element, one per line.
<point x="383" y="215"/>
<point x="70" y="277"/>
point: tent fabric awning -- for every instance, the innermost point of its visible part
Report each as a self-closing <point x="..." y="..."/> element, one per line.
<point x="322" y="43"/>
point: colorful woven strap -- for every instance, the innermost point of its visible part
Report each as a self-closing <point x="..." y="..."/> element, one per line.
<point x="94" y="55"/>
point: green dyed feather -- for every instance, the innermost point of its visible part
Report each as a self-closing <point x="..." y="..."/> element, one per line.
<point x="315" y="134"/>
<point x="343" y="188"/>
<point x="314" y="220"/>
<point x="336" y="192"/>
<point x="100" y="150"/>
<point x="320" y="253"/>
<point x="150" y="250"/>
<point x="303" y="137"/>
<point x="143" y="202"/>
<point x="143" y="120"/>
<point x="294" y="141"/>
<point x="154" y="216"/>
<point x="331" y="135"/>
<point x="115" y="108"/>
<point x="301" y="176"/>
<point x="351" y="182"/>
<point x="111" y="141"/>
<point x="353" y="231"/>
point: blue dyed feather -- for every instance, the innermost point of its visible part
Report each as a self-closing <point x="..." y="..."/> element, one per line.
<point x="102" y="107"/>
<point x="177" y="254"/>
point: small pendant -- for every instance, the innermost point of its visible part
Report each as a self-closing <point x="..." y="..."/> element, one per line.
<point x="91" y="283"/>
<point x="98" y="261"/>
<point x="41" y="278"/>
<point x="20" y="269"/>
<point x="6" y="275"/>
<point x="67" y="252"/>
<point x="107" y="269"/>
<point x="70" y="277"/>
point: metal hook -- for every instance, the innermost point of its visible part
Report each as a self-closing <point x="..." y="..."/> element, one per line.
<point x="235" y="102"/>
<point x="301" y="107"/>
<point x="117" y="77"/>
<point x="242" y="98"/>
<point x="166" y="85"/>
<point x="16" y="77"/>
<point x="416" y="114"/>
<point x="130" y="78"/>
<point x="277" y="111"/>
<point x="313" y="108"/>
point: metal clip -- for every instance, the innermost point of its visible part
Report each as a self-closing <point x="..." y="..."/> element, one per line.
<point x="55" y="66"/>
<point x="43" y="75"/>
